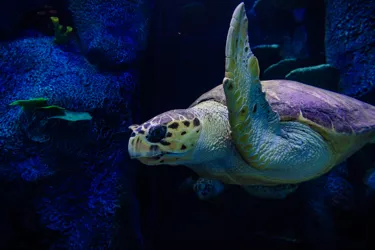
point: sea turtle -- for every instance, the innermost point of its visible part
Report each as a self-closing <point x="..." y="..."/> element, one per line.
<point x="266" y="136"/>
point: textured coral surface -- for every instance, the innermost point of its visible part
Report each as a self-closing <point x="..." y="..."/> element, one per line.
<point x="111" y="32"/>
<point x="350" y="44"/>
<point x="78" y="178"/>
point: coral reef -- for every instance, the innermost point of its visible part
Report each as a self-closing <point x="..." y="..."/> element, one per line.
<point x="83" y="206"/>
<point x="62" y="135"/>
<point x="111" y="32"/>
<point x="326" y="198"/>
<point x="34" y="67"/>
<point x="79" y="180"/>
<point x="349" y="44"/>
<point x="32" y="169"/>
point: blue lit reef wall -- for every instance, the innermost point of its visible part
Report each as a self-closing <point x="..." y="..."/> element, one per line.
<point x="350" y="45"/>
<point x="66" y="100"/>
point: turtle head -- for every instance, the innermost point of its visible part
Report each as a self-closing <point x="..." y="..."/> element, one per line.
<point x="168" y="138"/>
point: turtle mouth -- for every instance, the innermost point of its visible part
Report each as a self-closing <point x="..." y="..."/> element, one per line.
<point x="152" y="155"/>
<point x="157" y="159"/>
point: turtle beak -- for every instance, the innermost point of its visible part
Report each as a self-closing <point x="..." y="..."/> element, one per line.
<point x="133" y="127"/>
<point x="137" y="150"/>
<point x="134" y="149"/>
<point x="146" y="154"/>
<point x="132" y="144"/>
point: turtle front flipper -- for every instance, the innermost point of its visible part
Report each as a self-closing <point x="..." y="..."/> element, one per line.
<point x="250" y="115"/>
<point x="282" y="152"/>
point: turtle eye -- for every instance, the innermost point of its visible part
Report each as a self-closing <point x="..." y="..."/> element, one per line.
<point x="156" y="134"/>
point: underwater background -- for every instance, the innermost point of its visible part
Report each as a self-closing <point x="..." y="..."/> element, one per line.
<point x="74" y="74"/>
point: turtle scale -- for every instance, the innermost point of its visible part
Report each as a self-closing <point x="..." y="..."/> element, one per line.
<point x="335" y="113"/>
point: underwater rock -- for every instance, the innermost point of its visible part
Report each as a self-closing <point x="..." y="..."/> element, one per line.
<point x="322" y="76"/>
<point x="349" y="44"/>
<point x="35" y="67"/>
<point x="282" y="68"/>
<point x="76" y="167"/>
<point x="325" y="198"/>
<point x="33" y="169"/>
<point x="111" y="32"/>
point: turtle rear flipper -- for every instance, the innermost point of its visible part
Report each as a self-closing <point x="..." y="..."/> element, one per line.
<point x="207" y="189"/>
<point x="287" y="152"/>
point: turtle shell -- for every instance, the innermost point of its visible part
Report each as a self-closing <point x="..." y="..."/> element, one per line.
<point x="319" y="108"/>
<point x="215" y="94"/>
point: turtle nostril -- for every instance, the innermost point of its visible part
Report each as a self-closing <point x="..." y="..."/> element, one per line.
<point x="156" y="134"/>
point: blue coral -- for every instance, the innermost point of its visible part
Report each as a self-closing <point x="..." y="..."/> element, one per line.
<point x="74" y="165"/>
<point x="103" y="198"/>
<point x="111" y="32"/>
<point x="325" y="197"/>
<point x="332" y="190"/>
<point x="76" y="168"/>
<point x="349" y="44"/>
<point x="35" y="67"/>
<point x="33" y="169"/>
<point x="85" y="219"/>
